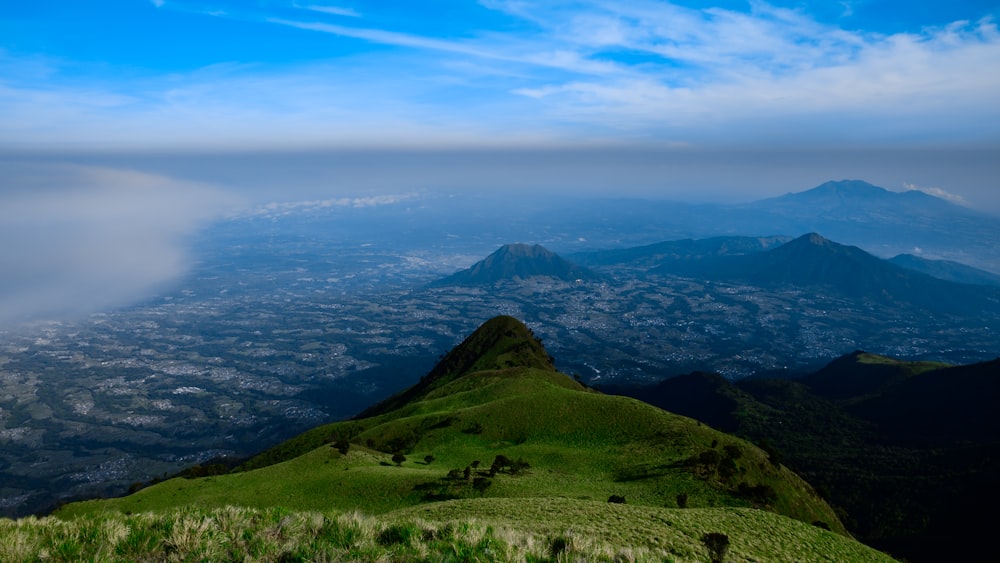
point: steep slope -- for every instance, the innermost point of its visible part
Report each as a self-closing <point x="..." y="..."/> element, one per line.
<point x="513" y="261"/>
<point x="480" y="426"/>
<point x="500" y="343"/>
<point x="907" y="449"/>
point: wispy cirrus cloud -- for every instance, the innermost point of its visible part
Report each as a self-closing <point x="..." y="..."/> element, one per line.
<point x="332" y="10"/>
<point x="574" y="71"/>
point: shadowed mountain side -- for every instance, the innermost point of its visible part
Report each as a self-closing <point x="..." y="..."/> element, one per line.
<point x="908" y="449"/>
<point x="518" y="261"/>
<point x="946" y="407"/>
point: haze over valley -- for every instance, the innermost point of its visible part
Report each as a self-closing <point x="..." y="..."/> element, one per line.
<point x="310" y="314"/>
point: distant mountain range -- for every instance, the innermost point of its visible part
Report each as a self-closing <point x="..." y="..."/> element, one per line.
<point x="812" y="261"/>
<point x="807" y="262"/>
<point x="518" y="261"/>
<point x="860" y="213"/>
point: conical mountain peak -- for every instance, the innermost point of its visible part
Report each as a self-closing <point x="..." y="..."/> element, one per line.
<point x="524" y="250"/>
<point x="500" y="343"/>
<point x="518" y="261"/>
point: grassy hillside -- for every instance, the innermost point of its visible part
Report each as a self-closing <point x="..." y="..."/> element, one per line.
<point x="578" y="444"/>
<point x="527" y="448"/>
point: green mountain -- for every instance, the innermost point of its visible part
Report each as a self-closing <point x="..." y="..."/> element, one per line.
<point x="908" y="451"/>
<point x="518" y="261"/>
<point x="495" y="433"/>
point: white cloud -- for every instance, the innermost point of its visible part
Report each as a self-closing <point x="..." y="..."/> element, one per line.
<point x="157" y="3"/>
<point x="749" y="70"/>
<point x="938" y="192"/>
<point x="587" y="70"/>
<point x="78" y="239"/>
<point x="332" y="10"/>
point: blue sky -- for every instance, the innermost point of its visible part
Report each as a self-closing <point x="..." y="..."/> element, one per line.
<point x="168" y="73"/>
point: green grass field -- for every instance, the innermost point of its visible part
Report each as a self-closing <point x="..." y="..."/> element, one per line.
<point x="579" y="445"/>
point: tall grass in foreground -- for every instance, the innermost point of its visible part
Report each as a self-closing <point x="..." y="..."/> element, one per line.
<point x="242" y="534"/>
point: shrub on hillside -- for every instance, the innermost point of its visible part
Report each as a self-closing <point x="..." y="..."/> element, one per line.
<point x="717" y="544"/>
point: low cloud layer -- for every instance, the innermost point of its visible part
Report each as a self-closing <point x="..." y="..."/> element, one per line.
<point x="77" y="239"/>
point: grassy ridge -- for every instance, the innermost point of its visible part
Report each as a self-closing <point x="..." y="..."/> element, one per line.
<point x="579" y="444"/>
<point x="472" y="530"/>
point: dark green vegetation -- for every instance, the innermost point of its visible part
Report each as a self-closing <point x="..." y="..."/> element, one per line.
<point x="909" y="452"/>
<point x="511" y="438"/>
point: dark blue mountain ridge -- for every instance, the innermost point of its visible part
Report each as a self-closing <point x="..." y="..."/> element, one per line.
<point x="652" y="255"/>
<point x="814" y="262"/>
<point x="883" y="221"/>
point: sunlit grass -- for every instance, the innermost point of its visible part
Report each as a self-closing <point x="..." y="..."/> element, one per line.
<point x="913" y="367"/>
<point x="467" y="530"/>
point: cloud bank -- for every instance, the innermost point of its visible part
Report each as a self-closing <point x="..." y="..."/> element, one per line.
<point x="79" y="239"/>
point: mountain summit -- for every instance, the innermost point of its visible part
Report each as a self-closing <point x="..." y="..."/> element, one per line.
<point x="501" y="343"/>
<point x="518" y="261"/>
<point x="841" y="192"/>
<point x="858" y="202"/>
